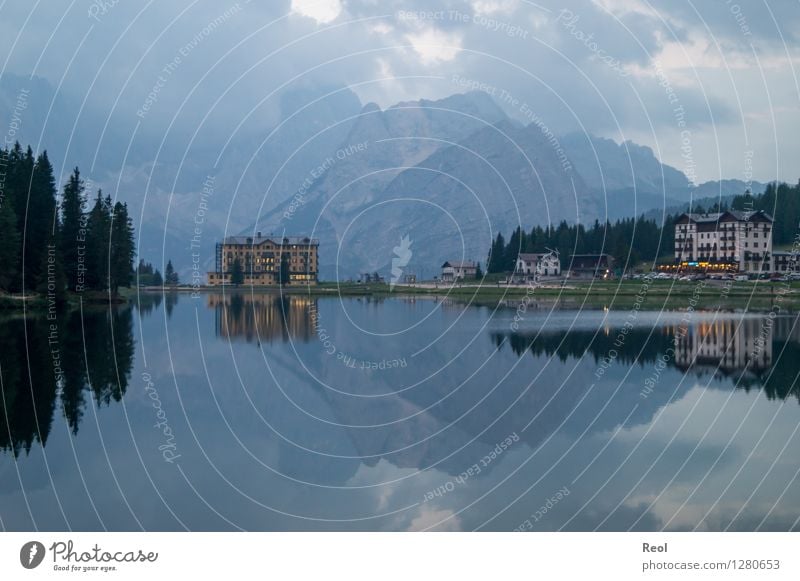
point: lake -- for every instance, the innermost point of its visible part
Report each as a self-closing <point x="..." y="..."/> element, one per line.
<point x="261" y="412"/>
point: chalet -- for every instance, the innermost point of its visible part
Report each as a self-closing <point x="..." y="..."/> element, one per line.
<point x="591" y="265"/>
<point x="531" y="266"/>
<point x="453" y="270"/>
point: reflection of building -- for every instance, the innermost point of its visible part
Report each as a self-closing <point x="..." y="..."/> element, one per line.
<point x="591" y="265"/>
<point x="535" y="265"/>
<point x="732" y="241"/>
<point x="263" y="316"/>
<point x="262" y="258"/>
<point x="728" y="344"/>
<point x="453" y="270"/>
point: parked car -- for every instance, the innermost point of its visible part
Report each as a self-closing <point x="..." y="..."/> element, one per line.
<point x="740" y="277"/>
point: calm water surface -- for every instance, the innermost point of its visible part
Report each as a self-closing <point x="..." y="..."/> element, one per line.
<point x="266" y="413"/>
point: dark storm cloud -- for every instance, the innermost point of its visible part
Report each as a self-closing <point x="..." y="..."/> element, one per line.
<point x="597" y="65"/>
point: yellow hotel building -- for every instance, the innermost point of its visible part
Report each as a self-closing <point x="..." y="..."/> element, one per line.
<point x="261" y="258"/>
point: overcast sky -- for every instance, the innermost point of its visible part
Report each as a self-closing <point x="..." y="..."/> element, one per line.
<point x="711" y="85"/>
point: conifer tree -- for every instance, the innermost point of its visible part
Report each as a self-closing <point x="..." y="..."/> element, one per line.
<point x="9" y="246"/>
<point x="122" y="248"/>
<point x="98" y="225"/>
<point x="237" y="274"/>
<point x="72" y="238"/>
<point x="43" y="266"/>
<point x="170" y="276"/>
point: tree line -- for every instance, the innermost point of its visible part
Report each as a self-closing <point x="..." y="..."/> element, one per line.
<point x="48" y="245"/>
<point x="147" y="275"/>
<point x="634" y="240"/>
<point x="628" y="239"/>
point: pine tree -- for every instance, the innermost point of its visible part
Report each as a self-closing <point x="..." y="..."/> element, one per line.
<point x="478" y="272"/>
<point x="170" y="276"/>
<point x="18" y="183"/>
<point x="9" y="246"/>
<point x="237" y="274"/>
<point x="495" y="261"/>
<point x="72" y="236"/>
<point x="46" y="270"/>
<point x="122" y="248"/>
<point x="283" y="274"/>
<point x="98" y="225"/>
<point x="158" y="280"/>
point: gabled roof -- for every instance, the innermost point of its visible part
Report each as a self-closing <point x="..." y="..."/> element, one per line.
<point x="460" y="264"/>
<point x="531" y="257"/>
<point x="727" y="216"/>
<point x="256" y="240"/>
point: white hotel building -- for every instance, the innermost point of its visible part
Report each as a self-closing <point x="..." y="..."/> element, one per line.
<point x="730" y="241"/>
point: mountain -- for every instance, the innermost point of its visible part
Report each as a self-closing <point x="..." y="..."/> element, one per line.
<point x="707" y="195"/>
<point x="724" y="189"/>
<point x="452" y="204"/>
<point x="448" y="174"/>
<point x="628" y="177"/>
<point x="162" y="172"/>
<point x="353" y="193"/>
<point x="618" y="166"/>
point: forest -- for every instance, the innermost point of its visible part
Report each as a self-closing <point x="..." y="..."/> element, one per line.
<point x="634" y="240"/>
<point x="57" y="245"/>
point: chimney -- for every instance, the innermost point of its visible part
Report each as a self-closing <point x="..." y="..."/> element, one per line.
<point x="259" y="234"/>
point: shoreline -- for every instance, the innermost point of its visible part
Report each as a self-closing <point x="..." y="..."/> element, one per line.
<point x="755" y="295"/>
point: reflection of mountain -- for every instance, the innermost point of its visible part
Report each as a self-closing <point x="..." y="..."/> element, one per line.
<point x="40" y="364"/>
<point x="263" y="317"/>
<point x="455" y="417"/>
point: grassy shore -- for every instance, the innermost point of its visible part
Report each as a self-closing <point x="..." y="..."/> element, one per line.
<point x="620" y="294"/>
<point x="656" y="294"/>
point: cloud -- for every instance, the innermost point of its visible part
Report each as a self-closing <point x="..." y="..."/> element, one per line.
<point x="489" y="7"/>
<point x="323" y="11"/>
<point x="714" y="54"/>
<point x="439" y="520"/>
<point x="435" y="46"/>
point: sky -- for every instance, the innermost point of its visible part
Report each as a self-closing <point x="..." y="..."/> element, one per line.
<point x="712" y="86"/>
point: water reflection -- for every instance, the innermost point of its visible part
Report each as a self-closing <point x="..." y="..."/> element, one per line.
<point x="263" y="317"/>
<point x="289" y="436"/>
<point x="740" y="349"/>
<point x="46" y="362"/>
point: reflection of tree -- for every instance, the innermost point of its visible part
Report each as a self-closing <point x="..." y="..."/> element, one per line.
<point x="74" y="371"/>
<point x="148" y="302"/>
<point x="28" y="383"/>
<point x="170" y="300"/>
<point x="781" y="381"/>
<point x="637" y="348"/>
<point x="727" y="348"/>
<point x="31" y="379"/>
